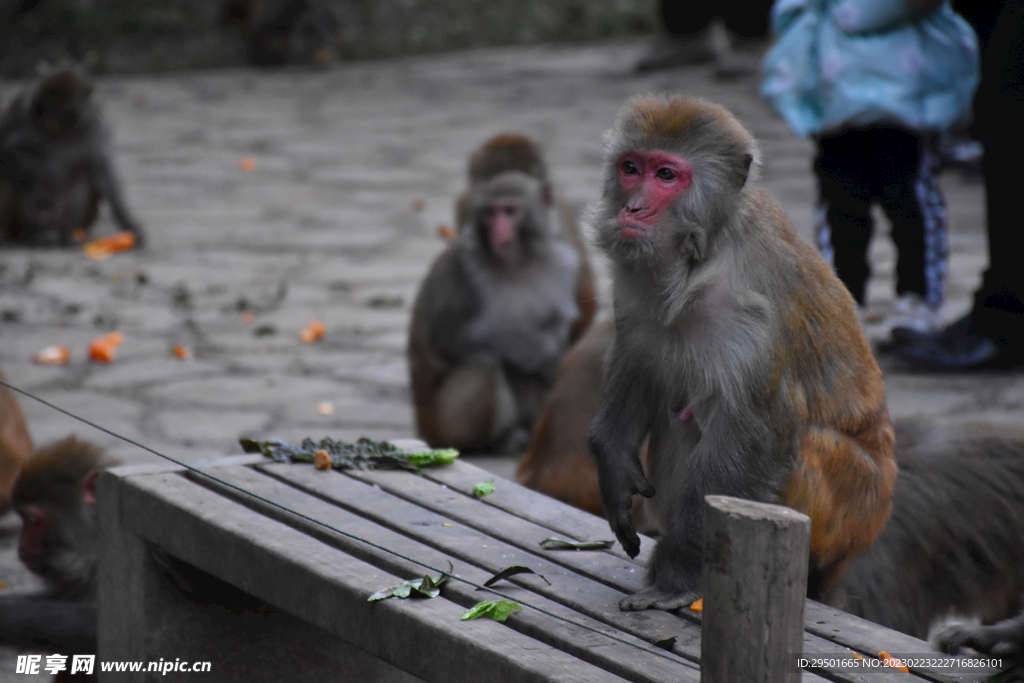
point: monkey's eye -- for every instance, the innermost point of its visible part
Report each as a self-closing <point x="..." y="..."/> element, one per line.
<point x="666" y="174"/>
<point x="629" y="168"/>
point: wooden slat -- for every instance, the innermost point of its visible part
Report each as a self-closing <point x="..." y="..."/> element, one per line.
<point x="533" y="506"/>
<point x="487" y="547"/>
<point x="557" y="516"/>
<point x="328" y="588"/>
<point x="636" y="662"/>
<point x="513" y="541"/>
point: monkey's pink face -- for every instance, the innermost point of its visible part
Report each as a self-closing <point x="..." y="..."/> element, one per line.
<point x="502" y="217"/>
<point x="650" y="180"/>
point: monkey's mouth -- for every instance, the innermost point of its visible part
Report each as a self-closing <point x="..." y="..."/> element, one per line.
<point x="633" y="231"/>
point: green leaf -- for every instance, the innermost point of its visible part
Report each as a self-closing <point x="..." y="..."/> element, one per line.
<point x="512" y="571"/>
<point x="483" y="488"/>
<point x="433" y="458"/>
<point x="492" y="609"/>
<point x="364" y="454"/>
<point x="414" y="588"/>
<point x="666" y="643"/>
<point x="560" y="544"/>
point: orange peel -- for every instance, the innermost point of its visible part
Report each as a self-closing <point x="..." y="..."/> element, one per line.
<point x="55" y="354"/>
<point x="312" y="332"/>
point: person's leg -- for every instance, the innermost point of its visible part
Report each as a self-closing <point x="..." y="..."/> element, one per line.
<point x="910" y="195"/>
<point x="844" y="223"/>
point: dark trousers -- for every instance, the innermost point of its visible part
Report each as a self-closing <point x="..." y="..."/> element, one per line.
<point x="746" y="18"/>
<point x="896" y="168"/>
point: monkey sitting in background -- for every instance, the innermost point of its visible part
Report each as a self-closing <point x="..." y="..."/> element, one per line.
<point x="492" y="320"/>
<point x="737" y="352"/>
<point x="55" y="497"/>
<point x="514" y="152"/>
<point x="56" y="164"/>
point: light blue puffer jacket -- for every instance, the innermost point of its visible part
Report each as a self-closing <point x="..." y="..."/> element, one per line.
<point x="850" y="63"/>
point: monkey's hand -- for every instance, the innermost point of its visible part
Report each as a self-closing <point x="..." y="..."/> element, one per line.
<point x="618" y="486"/>
<point x="1003" y="638"/>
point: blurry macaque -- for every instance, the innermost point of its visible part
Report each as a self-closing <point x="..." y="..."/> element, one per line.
<point x="513" y="152"/>
<point x="952" y="546"/>
<point x="493" y="318"/>
<point x="15" y="444"/>
<point x="55" y="497"/>
<point x="737" y="352"/>
<point x="285" y="32"/>
<point x="55" y="164"/>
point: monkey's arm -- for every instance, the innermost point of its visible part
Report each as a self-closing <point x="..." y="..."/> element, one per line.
<point x="61" y="626"/>
<point x="109" y="186"/>
<point x="623" y="419"/>
<point x="448" y="304"/>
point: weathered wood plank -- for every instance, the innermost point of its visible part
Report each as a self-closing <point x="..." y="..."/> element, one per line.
<point x="535" y="507"/>
<point x="532" y="506"/>
<point x="638" y="661"/>
<point x="328" y="588"/>
<point x="577" y="589"/>
<point x="755" y="579"/>
<point x="481" y="545"/>
<point x="120" y="580"/>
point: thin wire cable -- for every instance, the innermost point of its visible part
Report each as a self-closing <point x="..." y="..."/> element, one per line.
<point x="645" y="647"/>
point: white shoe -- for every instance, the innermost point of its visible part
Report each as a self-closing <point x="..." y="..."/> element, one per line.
<point x="913" y="312"/>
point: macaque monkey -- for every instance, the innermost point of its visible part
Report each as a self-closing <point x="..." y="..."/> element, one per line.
<point x="285" y="32"/>
<point x="56" y="165"/>
<point x="492" y="320"/>
<point x="15" y="444"/>
<point x="55" y="497"/>
<point x="952" y="545"/>
<point x="512" y="152"/>
<point x="737" y="352"/>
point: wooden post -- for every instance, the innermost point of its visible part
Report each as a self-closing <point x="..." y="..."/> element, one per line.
<point x="755" y="584"/>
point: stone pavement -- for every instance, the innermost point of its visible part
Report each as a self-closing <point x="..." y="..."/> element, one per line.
<point x="356" y="167"/>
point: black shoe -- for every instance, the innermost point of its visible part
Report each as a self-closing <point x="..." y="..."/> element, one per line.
<point x="957" y="347"/>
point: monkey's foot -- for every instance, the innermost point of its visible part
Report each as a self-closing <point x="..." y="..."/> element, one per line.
<point x="655" y="598"/>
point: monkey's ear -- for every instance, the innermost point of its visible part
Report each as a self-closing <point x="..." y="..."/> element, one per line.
<point x="89" y="487"/>
<point x="744" y="168"/>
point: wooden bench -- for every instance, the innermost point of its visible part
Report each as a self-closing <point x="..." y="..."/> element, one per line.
<point x="304" y="613"/>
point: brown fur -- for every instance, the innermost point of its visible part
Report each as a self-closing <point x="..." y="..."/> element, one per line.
<point x="54" y="474"/>
<point x="723" y="311"/>
<point x="15" y="444"/>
